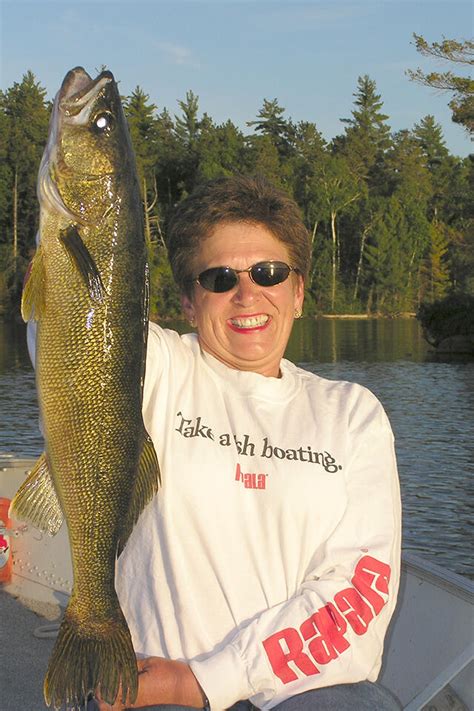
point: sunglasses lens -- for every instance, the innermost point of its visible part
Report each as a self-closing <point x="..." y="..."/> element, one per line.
<point x="218" y="279"/>
<point x="270" y="273"/>
<point x="221" y="279"/>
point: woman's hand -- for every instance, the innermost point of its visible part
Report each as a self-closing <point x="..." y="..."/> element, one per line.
<point x="160" y="681"/>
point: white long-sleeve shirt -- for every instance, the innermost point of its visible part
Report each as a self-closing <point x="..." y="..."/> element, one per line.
<point x="269" y="560"/>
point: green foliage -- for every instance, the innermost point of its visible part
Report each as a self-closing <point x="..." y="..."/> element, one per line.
<point x="451" y="316"/>
<point x="262" y="159"/>
<point x="24" y="126"/>
<point x="11" y="281"/>
<point x="435" y="268"/>
<point x="270" y="122"/>
<point x="164" y="295"/>
<point x="24" y="117"/>
<point x="394" y="253"/>
<point x="142" y="122"/>
<point x="367" y="136"/>
<point x="308" y="155"/>
<point x="391" y="216"/>
<point x="429" y="136"/>
<point x="460" y="87"/>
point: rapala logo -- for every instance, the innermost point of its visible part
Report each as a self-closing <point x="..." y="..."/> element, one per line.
<point x="295" y="653"/>
<point x="250" y="480"/>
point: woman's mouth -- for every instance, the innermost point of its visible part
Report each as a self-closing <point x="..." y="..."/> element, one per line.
<point x="249" y="323"/>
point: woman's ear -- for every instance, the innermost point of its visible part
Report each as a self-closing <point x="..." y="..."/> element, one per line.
<point x="299" y="292"/>
<point x="188" y="309"/>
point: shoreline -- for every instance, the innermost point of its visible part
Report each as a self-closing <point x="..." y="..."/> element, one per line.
<point x="407" y="314"/>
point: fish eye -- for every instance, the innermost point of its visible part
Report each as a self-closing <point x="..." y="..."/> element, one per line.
<point x="103" y="122"/>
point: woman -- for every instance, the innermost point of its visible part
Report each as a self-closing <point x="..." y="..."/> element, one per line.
<point x="266" y="570"/>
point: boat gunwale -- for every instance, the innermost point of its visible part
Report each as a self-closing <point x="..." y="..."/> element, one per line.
<point x="424" y="569"/>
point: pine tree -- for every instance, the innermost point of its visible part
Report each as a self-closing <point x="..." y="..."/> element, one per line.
<point x="309" y="153"/>
<point x="141" y="116"/>
<point x="24" y="127"/>
<point x="384" y="258"/>
<point x="460" y="218"/>
<point x="395" y="252"/>
<point x="187" y="128"/>
<point x="461" y="87"/>
<point x="142" y="121"/>
<point x="231" y="147"/>
<point x="406" y="168"/>
<point x="429" y="136"/>
<point x="435" y="271"/>
<point x="270" y="122"/>
<point x="187" y="125"/>
<point x="168" y="162"/>
<point x="220" y="149"/>
<point x="261" y="158"/>
<point x="5" y="169"/>
<point x="367" y="136"/>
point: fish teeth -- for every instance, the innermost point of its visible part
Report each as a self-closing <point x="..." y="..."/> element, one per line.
<point x="249" y="321"/>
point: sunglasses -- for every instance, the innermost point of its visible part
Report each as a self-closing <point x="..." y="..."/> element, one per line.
<point x="221" y="279"/>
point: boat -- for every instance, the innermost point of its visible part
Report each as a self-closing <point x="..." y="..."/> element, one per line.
<point x="429" y="653"/>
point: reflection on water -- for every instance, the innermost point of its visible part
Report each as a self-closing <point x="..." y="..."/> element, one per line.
<point x="429" y="402"/>
<point x="430" y="408"/>
<point x="331" y="340"/>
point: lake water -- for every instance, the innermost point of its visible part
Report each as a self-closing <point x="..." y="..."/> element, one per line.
<point x="429" y="401"/>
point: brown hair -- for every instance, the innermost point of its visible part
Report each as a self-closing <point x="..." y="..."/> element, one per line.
<point x="234" y="199"/>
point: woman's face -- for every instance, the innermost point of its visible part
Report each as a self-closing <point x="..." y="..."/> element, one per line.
<point x="248" y="327"/>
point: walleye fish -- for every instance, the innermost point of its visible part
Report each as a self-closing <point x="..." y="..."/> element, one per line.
<point x="88" y="290"/>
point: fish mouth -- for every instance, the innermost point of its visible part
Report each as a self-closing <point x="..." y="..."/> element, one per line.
<point x="79" y="89"/>
<point x="73" y="105"/>
<point x="244" y="323"/>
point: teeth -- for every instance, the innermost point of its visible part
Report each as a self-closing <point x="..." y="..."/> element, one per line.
<point x="250" y="322"/>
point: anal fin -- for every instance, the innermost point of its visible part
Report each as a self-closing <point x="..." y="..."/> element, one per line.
<point x="36" y="500"/>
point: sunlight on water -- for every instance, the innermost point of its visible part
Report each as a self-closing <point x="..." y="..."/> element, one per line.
<point x="429" y="403"/>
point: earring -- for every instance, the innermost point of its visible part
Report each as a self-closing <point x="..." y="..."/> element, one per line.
<point x="298" y="313"/>
<point x="192" y="323"/>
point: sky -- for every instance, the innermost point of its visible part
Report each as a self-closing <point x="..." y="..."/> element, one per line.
<point x="235" y="53"/>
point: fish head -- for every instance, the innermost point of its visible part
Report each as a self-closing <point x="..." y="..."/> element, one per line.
<point x="89" y="156"/>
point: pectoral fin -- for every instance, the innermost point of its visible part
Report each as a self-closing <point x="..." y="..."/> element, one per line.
<point x="147" y="482"/>
<point x="36" y="500"/>
<point x="32" y="298"/>
<point x="84" y="262"/>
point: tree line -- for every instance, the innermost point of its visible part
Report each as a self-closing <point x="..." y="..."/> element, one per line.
<point x="390" y="214"/>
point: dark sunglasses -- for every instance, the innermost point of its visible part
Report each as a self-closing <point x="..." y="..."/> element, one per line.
<point x="220" y="279"/>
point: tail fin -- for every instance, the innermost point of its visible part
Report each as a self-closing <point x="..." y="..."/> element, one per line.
<point x="88" y="657"/>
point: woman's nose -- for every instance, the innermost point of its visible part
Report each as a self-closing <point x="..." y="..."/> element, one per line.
<point x="246" y="290"/>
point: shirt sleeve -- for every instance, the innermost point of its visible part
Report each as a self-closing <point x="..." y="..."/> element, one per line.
<point x="332" y="630"/>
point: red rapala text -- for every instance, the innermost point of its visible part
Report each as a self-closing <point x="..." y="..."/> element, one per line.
<point x="322" y="637"/>
<point x="250" y="480"/>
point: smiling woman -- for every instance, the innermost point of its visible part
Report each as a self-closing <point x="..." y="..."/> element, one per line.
<point x="248" y="326"/>
<point x="265" y="571"/>
<point x="240" y="253"/>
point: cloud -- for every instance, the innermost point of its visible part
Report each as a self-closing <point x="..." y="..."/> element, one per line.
<point x="177" y="54"/>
